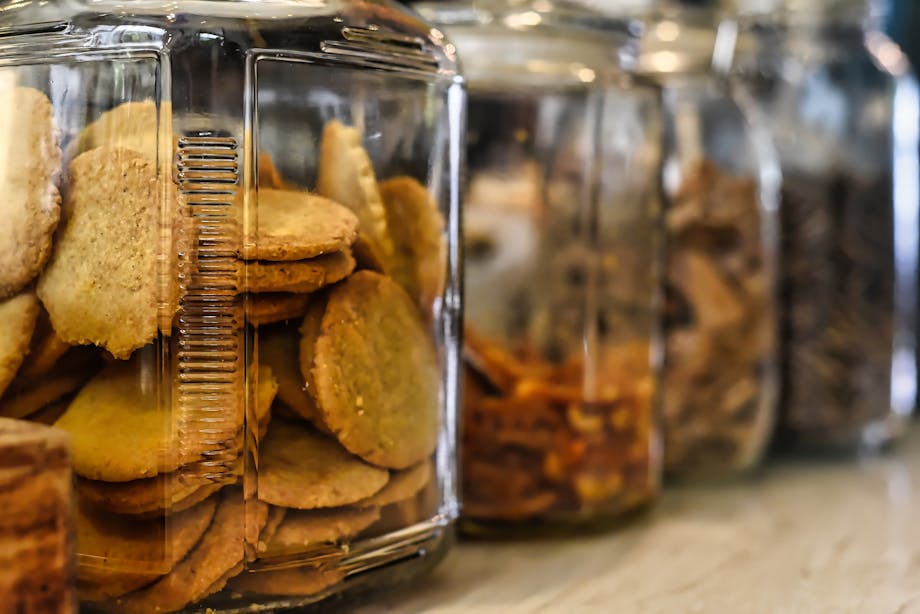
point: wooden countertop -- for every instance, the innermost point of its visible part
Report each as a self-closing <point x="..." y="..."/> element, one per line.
<point x="803" y="537"/>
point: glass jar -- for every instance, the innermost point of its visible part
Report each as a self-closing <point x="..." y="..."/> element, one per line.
<point x="229" y="269"/>
<point x="721" y="183"/>
<point x="561" y="255"/>
<point x="842" y="109"/>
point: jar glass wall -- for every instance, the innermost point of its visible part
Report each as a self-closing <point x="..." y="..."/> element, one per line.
<point x="232" y="261"/>
<point x="561" y="240"/>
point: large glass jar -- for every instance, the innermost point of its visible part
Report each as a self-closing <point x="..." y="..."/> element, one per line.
<point x="561" y="240"/>
<point x="721" y="183"/>
<point x="842" y="110"/>
<point x="228" y="268"/>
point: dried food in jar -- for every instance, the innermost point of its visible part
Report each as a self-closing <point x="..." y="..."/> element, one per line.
<point x="719" y="326"/>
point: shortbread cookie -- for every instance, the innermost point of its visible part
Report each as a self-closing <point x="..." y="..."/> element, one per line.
<point x="102" y="284"/>
<point x="299" y="276"/>
<point x="302" y="469"/>
<point x="375" y="372"/>
<point x="17" y="323"/>
<point x="304" y="528"/>
<point x="295" y="225"/>
<point x="346" y="175"/>
<point x="30" y="166"/>
<point x="270" y="308"/>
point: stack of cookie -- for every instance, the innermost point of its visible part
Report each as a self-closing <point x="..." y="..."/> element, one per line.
<point x="330" y="358"/>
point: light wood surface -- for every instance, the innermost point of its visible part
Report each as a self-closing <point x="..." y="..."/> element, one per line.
<point x="804" y="537"/>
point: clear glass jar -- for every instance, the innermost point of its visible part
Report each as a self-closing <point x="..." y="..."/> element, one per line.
<point x="229" y="269"/>
<point x="842" y="110"/>
<point x="561" y="254"/>
<point x="721" y="184"/>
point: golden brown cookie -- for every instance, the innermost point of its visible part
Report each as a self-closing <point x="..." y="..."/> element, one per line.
<point x="172" y="492"/>
<point x="375" y="372"/>
<point x="120" y="433"/>
<point x="297" y="582"/>
<point x="266" y="390"/>
<point x="346" y="175"/>
<point x="132" y="125"/>
<point x="302" y="469"/>
<point x="50" y="413"/>
<point x="30" y="166"/>
<point x="300" y="276"/>
<point x="103" y="282"/>
<point x="303" y="528"/>
<point x="403" y="485"/>
<point x="275" y="517"/>
<point x="294" y="225"/>
<point x="278" y="349"/>
<point x="270" y="176"/>
<point x="416" y="226"/>
<point x="45" y="349"/>
<point x="270" y="308"/>
<point x="366" y="257"/>
<point x="17" y="323"/>
<point x="23" y="403"/>
<point x="128" y="552"/>
<point x="207" y="567"/>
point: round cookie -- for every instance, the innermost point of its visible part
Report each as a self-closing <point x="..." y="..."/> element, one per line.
<point x="275" y="517"/>
<point x="297" y="582"/>
<point x="45" y="349"/>
<point x="402" y="485"/>
<point x="295" y="225"/>
<point x="346" y="175"/>
<point x="131" y="125"/>
<point x="300" y="276"/>
<point x="420" y="252"/>
<point x="304" y="528"/>
<point x="373" y="340"/>
<point x="129" y="552"/>
<point x="278" y="349"/>
<point x="17" y="324"/>
<point x="262" y="309"/>
<point x="23" y="403"/>
<point x="102" y="284"/>
<point x="301" y="469"/>
<point x="171" y="492"/>
<point x="30" y="166"/>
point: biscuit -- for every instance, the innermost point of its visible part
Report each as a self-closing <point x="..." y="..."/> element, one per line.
<point x="346" y="175"/>
<point x="207" y="567"/>
<point x="266" y="390"/>
<point x="278" y="349"/>
<point x="296" y="582"/>
<point x="275" y="517"/>
<point x="375" y="372"/>
<point x="102" y="284"/>
<point x="131" y="125"/>
<point x="50" y="413"/>
<point x="366" y="257"/>
<point x="270" y="176"/>
<point x="17" y="324"/>
<point x="301" y="529"/>
<point x="124" y="553"/>
<point x="172" y="492"/>
<point x="271" y="308"/>
<point x="416" y="226"/>
<point x="296" y="225"/>
<point x="302" y="469"/>
<point x="23" y="403"/>
<point x="45" y="349"/>
<point x="403" y="485"/>
<point x="30" y="166"/>
<point x="300" y="276"/>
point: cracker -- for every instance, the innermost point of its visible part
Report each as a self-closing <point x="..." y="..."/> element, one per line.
<point x="373" y="340"/>
<point x="403" y="485"/>
<point x="420" y="253"/>
<point x="124" y="553"/>
<point x="296" y="582"/>
<point x="17" y="323"/>
<point x="295" y="225"/>
<point x="346" y="175"/>
<point x="278" y="347"/>
<point x="300" y="276"/>
<point x="45" y="349"/>
<point x="30" y="166"/>
<point x="131" y="125"/>
<point x="303" y="528"/>
<point x="271" y="308"/>
<point x="302" y="469"/>
<point x="102" y="284"/>
<point x="207" y="567"/>
<point x="120" y="433"/>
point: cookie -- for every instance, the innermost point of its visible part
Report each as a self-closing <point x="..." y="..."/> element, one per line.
<point x="172" y="492"/>
<point x="275" y="517"/>
<point x="295" y="225"/>
<point x="302" y="469"/>
<point x="366" y="257"/>
<point x="271" y="308"/>
<point x="124" y="553"/>
<point x="207" y="567"/>
<point x="346" y="175"/>
<point x="30" y="166"/>
<point x="102" y="285"/>
<point x="403" y="485"/>
<point x="132" y="125"/>
<point x="24" y="403"/>
<point x="301" y="529"/>
<point x="270" y="176"/>
<point x="300" y="276"/>
<point x="375" y="372"/>
<point x="17" y="323"/>
<point x="45" y="349"/>
<point x="297" y="582"/>
<point x="50" y="413"/>
<point x="416" y="226"/>
<point x="278" y="348"/>
<point x="266" y="390"/>
<point x="120" y="433"/>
